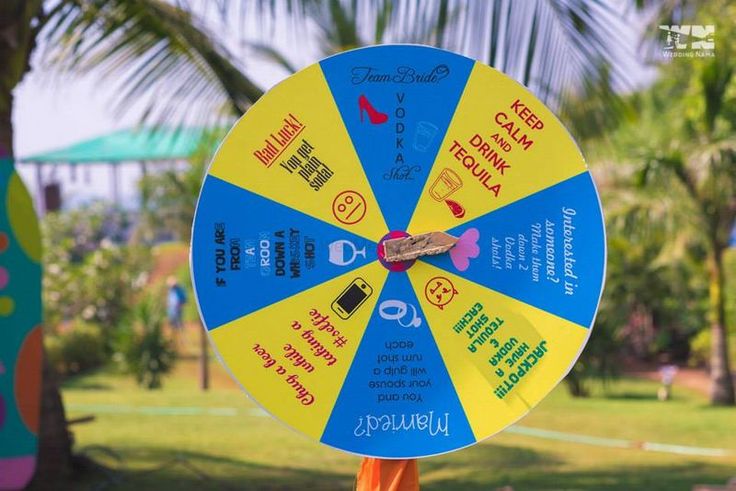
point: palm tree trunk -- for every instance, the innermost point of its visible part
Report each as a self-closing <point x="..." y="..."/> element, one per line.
<point x="17" y="40"/>
<point x="6" y="126"/>
<point x="204" y="364"/>
<point x="722" y="391"/>
<point x="55" y="442"/>
<point x="55" y="447"/>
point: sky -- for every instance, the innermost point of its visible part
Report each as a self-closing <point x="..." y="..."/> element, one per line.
<point x="48" y="116"/>
<point x="53" y="111"/>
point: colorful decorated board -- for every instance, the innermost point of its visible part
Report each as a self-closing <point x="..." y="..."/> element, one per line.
<point x="410" y="359"/>
<point x="20" y="330"/>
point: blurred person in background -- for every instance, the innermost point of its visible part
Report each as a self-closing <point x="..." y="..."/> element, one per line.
<point x="176" y="298"/>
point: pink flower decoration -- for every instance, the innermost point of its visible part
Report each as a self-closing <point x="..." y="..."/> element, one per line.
<point x="465" y="249"/>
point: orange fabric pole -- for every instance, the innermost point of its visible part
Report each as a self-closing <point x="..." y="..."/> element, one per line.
<point x="388" y="475"/>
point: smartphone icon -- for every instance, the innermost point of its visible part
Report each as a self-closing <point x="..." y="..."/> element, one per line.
<point x="351" y="298"/>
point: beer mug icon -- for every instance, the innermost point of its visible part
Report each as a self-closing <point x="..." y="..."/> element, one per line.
<point x="424" y="135"/>
<point x="446" y="183"/>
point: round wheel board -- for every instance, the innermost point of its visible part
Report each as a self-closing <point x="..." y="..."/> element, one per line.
<point x="411" y="359"/>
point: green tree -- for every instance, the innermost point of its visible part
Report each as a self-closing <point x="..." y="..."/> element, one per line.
<point x="169" y="198"/>
<point x="88" y="272"/>
<point x="655" y="297"/>
<point x="153" y="43"/>
<point x="146" y="351"/>
<point x="684" y="145"/>
<point x="704" y="165"/>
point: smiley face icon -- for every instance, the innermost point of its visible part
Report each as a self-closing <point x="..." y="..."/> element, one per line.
<point x="349" y="207"/>
<point x="439" y="291"/>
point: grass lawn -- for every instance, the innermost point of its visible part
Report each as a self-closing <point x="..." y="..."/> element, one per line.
<point x="181" y="439"/>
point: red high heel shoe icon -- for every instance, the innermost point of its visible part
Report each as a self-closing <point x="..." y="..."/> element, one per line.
<point x="375" y="116"/>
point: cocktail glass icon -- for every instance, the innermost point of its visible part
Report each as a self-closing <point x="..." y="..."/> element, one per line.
<point x="446" y="183"/>
<point x="337" y="252"/>
<point x="424" y="135"/>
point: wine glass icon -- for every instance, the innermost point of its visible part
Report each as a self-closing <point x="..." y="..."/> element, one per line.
<point x="337" y="252"/>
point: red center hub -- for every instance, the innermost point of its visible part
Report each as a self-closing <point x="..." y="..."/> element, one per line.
<point x="397" y="267"/>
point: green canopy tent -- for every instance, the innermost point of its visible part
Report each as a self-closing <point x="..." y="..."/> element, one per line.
<point x="131" y="146"/>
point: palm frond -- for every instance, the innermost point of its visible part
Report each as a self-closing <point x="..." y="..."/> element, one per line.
<point x="147" y="47"/>
<point x="552" y="46"/>
<point x="565" y="51"/>
<point x="270" y="53"/>
<point x="555" y="47"/>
